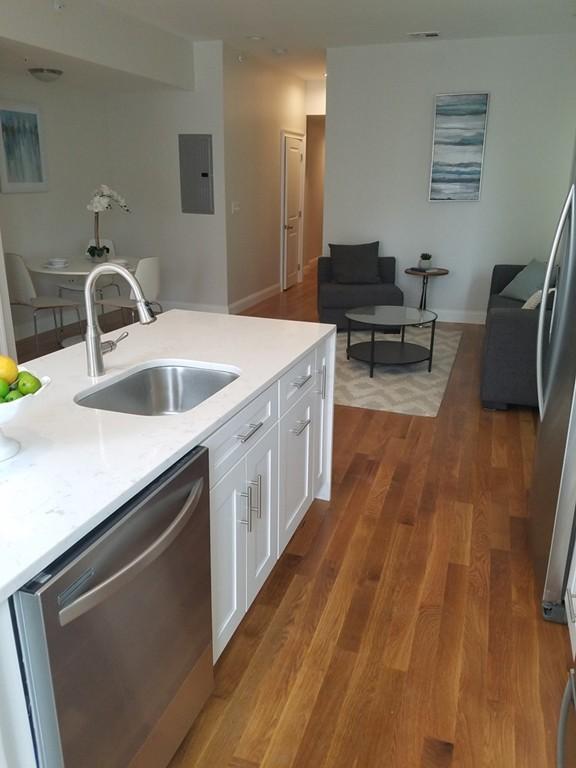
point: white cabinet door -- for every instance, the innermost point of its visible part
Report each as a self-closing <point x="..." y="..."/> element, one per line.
<point x="296" y="471"/>
<point x="228" y="555"/>
<point x="262" y="477"/>
<point x="323" y="417"/>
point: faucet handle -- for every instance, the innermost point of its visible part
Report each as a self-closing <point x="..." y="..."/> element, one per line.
<point x="110" y="346"/>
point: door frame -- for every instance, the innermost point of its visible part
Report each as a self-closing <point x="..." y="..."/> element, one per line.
<point x="283" y="136"/>
<point x="7" y="341"/>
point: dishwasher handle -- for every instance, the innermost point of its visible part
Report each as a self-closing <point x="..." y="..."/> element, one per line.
<point x="122" y="577"/>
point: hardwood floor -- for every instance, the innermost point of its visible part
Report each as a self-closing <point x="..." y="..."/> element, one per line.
<point x="401" y="627"/>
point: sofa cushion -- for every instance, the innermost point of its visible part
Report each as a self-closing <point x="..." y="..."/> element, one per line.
<point x="349" y="296"/>
<point x="355" y="264"/>
<point x="503" y="302"/>
<point x="527" y="281"/>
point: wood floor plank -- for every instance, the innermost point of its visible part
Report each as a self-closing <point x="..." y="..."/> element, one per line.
<point x="448" y="664"/>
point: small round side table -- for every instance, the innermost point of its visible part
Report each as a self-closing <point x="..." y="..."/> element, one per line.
<point x="426" y="274"/>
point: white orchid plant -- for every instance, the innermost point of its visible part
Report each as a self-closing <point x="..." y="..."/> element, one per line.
<point x="102" y="200"/>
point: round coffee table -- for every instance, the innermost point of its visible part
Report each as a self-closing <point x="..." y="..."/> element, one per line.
<point x="386" y="319"/>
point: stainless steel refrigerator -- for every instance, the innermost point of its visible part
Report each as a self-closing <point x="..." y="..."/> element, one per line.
<point x="553" y="494"/>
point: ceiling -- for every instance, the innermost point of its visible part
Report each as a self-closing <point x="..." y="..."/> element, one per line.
<point x="305" y="28"/>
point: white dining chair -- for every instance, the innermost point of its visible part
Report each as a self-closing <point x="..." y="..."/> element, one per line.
<point x="148" y="275"/>
<point x="23" y="294"/>
<point x="103" y="283"/>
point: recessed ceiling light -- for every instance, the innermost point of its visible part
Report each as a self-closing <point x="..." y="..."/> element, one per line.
<point x="44" y="74"/>
<point x="254" y="37"/>
<point x="280" y="51"/>
<point x="423" y="35"/>
<point x="325" y="74"/>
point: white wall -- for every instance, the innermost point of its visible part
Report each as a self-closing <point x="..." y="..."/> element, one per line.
<point x="260" y="101"/>
<point x="379" y="135"/>
<point x="56" y="222"/>
<point x="143" y="133"/>
<point x="316" y="97"/>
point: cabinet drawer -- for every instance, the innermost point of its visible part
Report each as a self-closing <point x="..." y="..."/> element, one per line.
<point x="297" y="381"/>
<point x="231" y="442"/>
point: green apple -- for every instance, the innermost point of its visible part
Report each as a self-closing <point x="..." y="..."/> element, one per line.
<point x="14" y="394"/>
<point x="4" y="388"/>
<point x="28" y="383"/>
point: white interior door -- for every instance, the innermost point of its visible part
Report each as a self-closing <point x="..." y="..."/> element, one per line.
<point x="292" y="214"/>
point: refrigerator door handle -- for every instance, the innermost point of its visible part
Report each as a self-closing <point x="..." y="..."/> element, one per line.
<point x="568" y="701"/>
<point x="102" y="591"/>
<point x="567" y="210"/>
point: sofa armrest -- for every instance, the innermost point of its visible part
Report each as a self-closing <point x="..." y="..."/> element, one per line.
<point x="509" y="365"/>
<point x="502" y="274"/>
<point x="324" y="269"/>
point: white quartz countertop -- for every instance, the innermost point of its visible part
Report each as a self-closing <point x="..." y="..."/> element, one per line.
<point x="78" y="465"/>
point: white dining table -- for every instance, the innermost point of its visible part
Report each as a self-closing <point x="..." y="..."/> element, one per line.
<point x="78" y="267"/>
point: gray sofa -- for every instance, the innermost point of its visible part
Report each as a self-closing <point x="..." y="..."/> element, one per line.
<point x="509" y="364"/>
<point x="335" y="299"/>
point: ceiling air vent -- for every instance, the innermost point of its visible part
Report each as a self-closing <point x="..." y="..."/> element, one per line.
<point x="423" y="35"/>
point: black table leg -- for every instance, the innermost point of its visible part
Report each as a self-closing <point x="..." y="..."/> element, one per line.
<point x="372" y="355"/>
<point x="348" y="342"/>
<point x="432" y="345"/>
<point x="403" y="332"/>
<point x="424" y="294"/>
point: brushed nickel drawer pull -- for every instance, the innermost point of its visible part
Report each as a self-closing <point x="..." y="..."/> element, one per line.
<point x="249" y="505"/>
<point x="253" y="428"/>
<point x="301" y="426"/>
<point x="301" y="381"/>
<point x="258" y="485"/>
<point x="323" y="373"/>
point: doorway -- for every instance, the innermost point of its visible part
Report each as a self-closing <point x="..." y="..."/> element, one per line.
<point x="292" y="195"/>
<point x="314" y="188"/>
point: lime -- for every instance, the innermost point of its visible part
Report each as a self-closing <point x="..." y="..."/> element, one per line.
<point x="28" y="383"/>
<point x="4" y="388"/>
<point x="13" y="395"/>
<point x="8" y="369"/>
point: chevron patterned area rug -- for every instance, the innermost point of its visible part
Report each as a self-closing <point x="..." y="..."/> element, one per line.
<point x="408" y="389"/>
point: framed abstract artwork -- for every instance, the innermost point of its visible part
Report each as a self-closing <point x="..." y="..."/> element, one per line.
<point x="458" y="146"/>
<point x="21" y="149"/>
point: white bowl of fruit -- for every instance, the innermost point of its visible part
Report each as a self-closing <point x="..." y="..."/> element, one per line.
<point x="18" y="388"/>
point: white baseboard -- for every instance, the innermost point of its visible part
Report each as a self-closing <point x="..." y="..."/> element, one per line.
<point x="254" y="298"/>
<point x="191" y="307"/>
<point x="461" y="316"/>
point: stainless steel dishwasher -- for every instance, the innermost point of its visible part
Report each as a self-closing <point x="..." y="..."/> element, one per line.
<point x="115" y="637"/>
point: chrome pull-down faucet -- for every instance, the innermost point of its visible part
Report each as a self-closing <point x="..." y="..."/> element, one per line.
<point x="95" y="349"/>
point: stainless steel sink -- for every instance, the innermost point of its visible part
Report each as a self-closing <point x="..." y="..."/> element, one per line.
<point x="157" y="388"/>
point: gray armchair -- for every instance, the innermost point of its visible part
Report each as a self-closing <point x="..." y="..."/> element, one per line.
<point x="509" y="364"/>
<point x="335" y="299"/>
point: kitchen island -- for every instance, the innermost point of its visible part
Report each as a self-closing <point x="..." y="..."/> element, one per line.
<point x="77" y="465"/>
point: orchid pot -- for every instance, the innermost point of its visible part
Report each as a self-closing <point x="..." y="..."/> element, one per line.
<point x="102" y="200"/>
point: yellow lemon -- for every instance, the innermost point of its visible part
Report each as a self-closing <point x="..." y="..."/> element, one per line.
<point x="8" y="369"/>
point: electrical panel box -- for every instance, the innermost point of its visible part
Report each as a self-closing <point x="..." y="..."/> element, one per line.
<point x="196" y="177"/>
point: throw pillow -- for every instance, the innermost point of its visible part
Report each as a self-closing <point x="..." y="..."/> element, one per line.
<point x="355" y="264"/>
<point x="526" y="282"/>
<point x="533" y="301"/>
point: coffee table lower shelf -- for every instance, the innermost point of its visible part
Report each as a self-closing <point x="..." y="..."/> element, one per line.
<point x="389" y="352"/>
